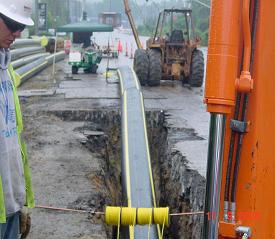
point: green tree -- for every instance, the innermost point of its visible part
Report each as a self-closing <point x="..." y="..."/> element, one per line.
<point x="146" y="14"/>
<point x="200" y="18"/>
<point x="58" y="13"/>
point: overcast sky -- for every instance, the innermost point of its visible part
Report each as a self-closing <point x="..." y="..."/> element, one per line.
<point x="138" y="1"/>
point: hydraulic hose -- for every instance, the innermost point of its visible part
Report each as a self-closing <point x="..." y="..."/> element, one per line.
<point x="243" y="116"/>
<point x="220" y="96"/>
<point x="247" y="35"/>
<point x="238" y="153"/>
<point x="231" y="150"/>
<point x="230" y="159"/>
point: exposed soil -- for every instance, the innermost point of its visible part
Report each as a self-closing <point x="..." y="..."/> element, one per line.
<point x="75" y="159"/>
<point x="74" y="151"/>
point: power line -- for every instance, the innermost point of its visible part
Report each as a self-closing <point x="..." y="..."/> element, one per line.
<point x="203" y="4"/>
<point x="144" y="19"/>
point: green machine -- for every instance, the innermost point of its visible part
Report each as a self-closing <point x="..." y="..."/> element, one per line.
<point x="86" y="58"/>
<point x="83" y="53"/>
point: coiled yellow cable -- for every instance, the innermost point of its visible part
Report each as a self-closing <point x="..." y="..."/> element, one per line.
<point x="161" y="216"/>
<point x="144" y="216"/>
<point x="112" y="216"/>
<point x="132" y="216"/>
<point x="128" y="216"/>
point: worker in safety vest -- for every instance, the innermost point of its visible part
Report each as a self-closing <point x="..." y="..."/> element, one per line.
<point x="15" y="183"/>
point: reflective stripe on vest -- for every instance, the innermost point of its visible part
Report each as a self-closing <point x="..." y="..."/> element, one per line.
<point x="2" y="204"/>
<point x="27" y="174"/>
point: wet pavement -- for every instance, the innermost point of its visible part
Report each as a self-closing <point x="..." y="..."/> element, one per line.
<point x="186" y="115"/>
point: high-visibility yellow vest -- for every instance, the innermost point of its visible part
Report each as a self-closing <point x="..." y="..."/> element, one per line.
<point x="27" y="173"/>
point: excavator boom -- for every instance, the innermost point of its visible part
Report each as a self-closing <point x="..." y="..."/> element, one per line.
<point x="132" y="23"/>
<point x="240" y="97"/>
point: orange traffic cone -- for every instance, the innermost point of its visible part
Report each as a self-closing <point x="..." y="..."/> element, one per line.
<point x="126" y="49"/>
<point x="119" y="46"/>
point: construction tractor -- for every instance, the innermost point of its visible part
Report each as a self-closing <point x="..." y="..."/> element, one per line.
<point x="87" y="58"/>
<point x="172" y="53"/>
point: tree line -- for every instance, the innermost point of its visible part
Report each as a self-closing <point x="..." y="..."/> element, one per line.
<point x="145" y="14"/>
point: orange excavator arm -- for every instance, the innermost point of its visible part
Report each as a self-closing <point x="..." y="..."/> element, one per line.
<point x="240" y="173"/>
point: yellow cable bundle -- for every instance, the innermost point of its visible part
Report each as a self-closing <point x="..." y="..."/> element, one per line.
<point x="128" y="216"/>
<point x="112" y="216"/>
<point x="161" y="215"/>
<point x="144" y="216"/>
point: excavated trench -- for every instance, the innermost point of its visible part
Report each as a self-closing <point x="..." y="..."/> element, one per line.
<point x="177" y="185"/>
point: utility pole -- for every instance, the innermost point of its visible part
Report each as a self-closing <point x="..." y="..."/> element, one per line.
<point x="83" y="6"/>
<point x="36" y="17"/>
<point x="83" y="11"/>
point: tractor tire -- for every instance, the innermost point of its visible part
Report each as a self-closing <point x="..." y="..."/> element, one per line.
<point x="74" y="69"/>
<point x="87" y="70"/>
<point x="141" y="63"/>
<point x="93" y="69"/>
<point x="196" y="69"/>
<point x="155" y="70"/>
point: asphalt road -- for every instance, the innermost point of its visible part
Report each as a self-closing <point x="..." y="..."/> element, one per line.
<point x="62" y="169"/>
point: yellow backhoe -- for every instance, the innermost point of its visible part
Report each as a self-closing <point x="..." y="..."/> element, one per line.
<point x="172" y="53"/>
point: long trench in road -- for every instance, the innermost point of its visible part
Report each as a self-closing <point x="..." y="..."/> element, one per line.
<point x="177" y="186"/>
